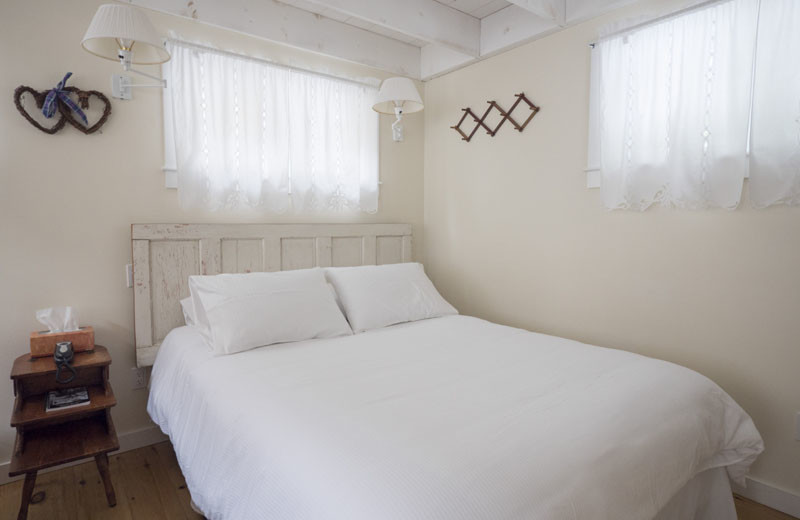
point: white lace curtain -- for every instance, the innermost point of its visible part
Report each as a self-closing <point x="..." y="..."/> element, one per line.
<point x="674" y="108"/>
<point x="250" y="134"/>
<point x="775" y="132"/>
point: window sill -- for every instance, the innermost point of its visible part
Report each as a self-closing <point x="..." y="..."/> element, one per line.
<point x="170" y="178"/>
<point x="592" y="178"/>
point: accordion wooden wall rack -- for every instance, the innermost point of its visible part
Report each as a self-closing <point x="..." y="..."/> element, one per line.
<point x="505" y="116"/>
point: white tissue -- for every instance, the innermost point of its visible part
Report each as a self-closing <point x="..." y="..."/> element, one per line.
<point x="58" y="319"/>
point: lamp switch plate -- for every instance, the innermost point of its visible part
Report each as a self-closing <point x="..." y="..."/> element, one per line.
<point x="129" y="275"/>
<point x="121" y="86"/>
<point x="139" y="378"/>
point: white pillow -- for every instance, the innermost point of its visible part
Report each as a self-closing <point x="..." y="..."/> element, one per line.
<point x="188" y="311"/>
<point x="379" y="295"/>
<point x="336" y="298"/>
<point x="239" y="312"/>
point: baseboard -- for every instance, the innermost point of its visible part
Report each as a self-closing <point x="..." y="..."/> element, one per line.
<point x="127" y="441"/>
<point x="767" y="494"/>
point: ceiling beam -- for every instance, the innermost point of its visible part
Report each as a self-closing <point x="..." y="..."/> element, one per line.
<point x="298" y="28"/>
<point x="425" y="20"/>
<point x="454" y="39"/>
<point x="437" y="60"/>
<point x="555" y="10"/>
<point x="582" y="10"/>
<point x="510" y="27"/>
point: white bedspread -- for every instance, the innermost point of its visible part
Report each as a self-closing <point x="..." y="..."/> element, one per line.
<point x="448" y="418"/>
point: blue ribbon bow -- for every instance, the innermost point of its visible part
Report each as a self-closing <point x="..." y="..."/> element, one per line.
<point x="58" y="93"/>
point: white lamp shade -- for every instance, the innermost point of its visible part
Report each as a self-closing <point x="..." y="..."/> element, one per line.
<point x="115" y="23"/>
<point x="398" y="92"/>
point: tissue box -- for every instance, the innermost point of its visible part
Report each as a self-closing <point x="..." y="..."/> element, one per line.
<point x="44" y="343"/>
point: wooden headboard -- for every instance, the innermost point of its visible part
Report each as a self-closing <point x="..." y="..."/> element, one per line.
<point x="165" y="255"/>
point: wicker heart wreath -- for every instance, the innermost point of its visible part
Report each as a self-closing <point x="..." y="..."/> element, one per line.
<point x="58" y="105"/>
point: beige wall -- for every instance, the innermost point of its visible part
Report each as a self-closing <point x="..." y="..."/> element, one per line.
<point x="67" y="201"/>
<point x="513" y="235"/>
<point x="511" y="232"/>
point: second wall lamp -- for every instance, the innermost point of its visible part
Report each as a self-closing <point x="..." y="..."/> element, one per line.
<point x="398" y="96"/>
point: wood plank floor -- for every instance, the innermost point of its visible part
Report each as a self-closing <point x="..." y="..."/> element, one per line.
<point x="749" y="510"/>
<point x="150" y="486"/>
<point x="148" y="483"/>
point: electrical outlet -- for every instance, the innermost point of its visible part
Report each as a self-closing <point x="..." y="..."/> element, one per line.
<point x="129" y="275"/>
<point x="797" y="427"/>
<point x="139" y="378"/>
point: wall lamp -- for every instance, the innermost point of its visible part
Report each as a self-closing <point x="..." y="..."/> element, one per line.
<point x="398" y="96"/>
<point x="113" y="33"/>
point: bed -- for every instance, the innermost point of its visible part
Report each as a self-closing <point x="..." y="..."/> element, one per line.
<point x="450" y="417"/>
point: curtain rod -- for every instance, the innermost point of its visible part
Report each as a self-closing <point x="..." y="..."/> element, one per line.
<point x="375" y="84"/>
<point x="658" y="19"/>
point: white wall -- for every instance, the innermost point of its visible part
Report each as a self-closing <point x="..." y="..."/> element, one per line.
<point x="513" y="235"/>
<point x="67" y="200"/>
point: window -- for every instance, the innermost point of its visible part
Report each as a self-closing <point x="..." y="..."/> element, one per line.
<point x="243" y="133"/>
<point x="672" y="105"/>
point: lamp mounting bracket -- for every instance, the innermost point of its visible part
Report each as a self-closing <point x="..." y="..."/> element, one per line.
<point x="122" y="84"/>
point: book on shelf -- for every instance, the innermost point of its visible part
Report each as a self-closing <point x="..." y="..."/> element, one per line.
<point x="67" y="398"/>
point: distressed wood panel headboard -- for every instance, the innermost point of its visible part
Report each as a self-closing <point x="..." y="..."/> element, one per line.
<point x="165" y="255"/>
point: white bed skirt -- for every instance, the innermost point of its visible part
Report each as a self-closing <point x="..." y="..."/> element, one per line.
<point x="707" y="496"/>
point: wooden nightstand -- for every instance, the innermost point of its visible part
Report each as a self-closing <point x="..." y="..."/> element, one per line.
<point x="46" y="439"/>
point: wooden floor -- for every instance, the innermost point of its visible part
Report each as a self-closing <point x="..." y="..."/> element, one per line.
<point x="150" y="486"/>
<point x="749" y="510"/>
<point x="148" y="483"/>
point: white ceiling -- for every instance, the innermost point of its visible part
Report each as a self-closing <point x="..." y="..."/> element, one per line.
<point x="420" y="39"/>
